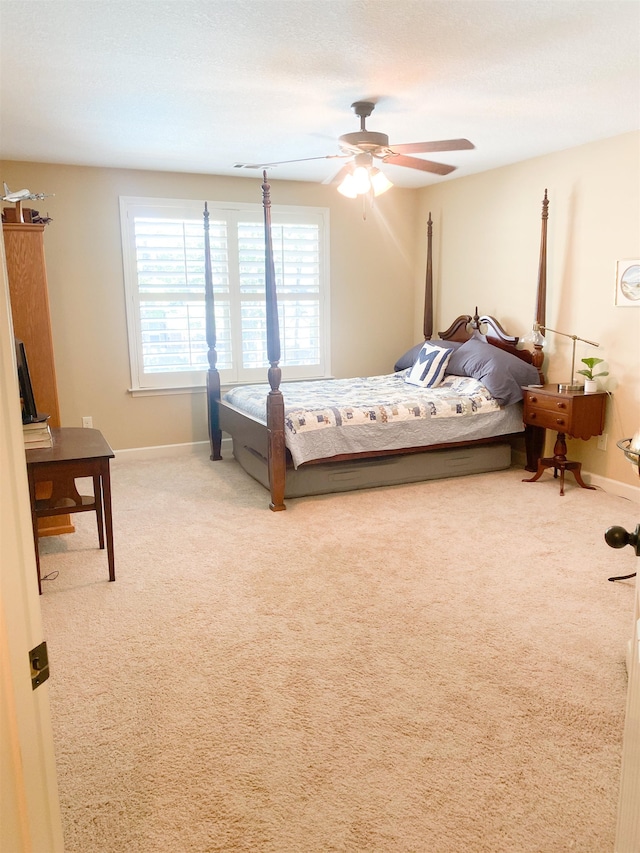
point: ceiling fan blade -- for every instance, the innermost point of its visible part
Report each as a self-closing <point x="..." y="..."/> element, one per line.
<point x="417" y="163"/>
<point x="437" y="145"/>
<point x="338" y="177"/>
<point x="283" y="162"/>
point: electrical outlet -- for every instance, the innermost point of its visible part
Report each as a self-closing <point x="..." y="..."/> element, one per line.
<point x="87" y="422"/>
<point x="602" y="441"/>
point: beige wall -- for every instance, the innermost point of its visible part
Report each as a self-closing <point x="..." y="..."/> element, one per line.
<point x="486" y="248"/>
<point x="372" y="280"/>
<point x="487" y="239"/>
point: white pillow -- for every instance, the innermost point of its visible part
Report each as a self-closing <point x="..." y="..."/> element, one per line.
<point x="429" y="367"/>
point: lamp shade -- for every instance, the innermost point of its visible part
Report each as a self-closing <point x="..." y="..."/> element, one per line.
<point x="379" y="182"/>
<point x="361" y="180"/>
<point x="347" y="187"/>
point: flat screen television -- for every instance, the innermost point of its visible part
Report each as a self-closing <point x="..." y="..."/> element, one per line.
<point x="30" y="412"/>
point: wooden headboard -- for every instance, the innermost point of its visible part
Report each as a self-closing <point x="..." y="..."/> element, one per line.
<point x="466" y="325"/>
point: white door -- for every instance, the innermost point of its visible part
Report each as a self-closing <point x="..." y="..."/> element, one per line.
<point x="628" y="835"/>
<point x="29" y="807"/>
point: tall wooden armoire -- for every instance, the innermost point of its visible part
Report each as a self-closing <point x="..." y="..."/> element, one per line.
<point x="24" y="249"/>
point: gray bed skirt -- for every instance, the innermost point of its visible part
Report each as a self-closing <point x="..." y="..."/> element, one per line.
<point x="329" y="477"/>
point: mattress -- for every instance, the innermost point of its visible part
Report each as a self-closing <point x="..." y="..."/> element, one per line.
<point x="329" y="418"/>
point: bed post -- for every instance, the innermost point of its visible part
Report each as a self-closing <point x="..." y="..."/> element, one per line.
<point x="427" y="326"/>
<point x="534" y="436"/>
<point x="276" y="458"/>
<point x="213" y="377"/>
<point x="541" y="298"/>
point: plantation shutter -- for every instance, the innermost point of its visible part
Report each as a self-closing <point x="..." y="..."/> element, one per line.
<point x="164" y="280"/>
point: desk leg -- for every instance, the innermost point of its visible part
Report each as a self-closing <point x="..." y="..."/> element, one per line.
<point x="97" y="498"/>
<point x="106" y="498"/>
<point x="34" y="523"/>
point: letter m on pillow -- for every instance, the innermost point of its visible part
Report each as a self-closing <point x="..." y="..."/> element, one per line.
<point x="429" y="367"/>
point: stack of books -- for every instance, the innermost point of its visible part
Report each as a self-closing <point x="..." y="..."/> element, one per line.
<point x="37" y="434"/>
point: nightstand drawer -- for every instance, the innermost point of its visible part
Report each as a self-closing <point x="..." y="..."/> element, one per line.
<point x="536" y="402"/>
<point x="559" y="421"/>
<point x="550" y="412"/>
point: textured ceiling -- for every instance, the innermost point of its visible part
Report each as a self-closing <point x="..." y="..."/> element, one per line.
<point x="198" y="85"/>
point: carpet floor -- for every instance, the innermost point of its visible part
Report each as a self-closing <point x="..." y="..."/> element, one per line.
<point x="436" y="668"/>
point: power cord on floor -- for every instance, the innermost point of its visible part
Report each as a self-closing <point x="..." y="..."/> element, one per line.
<point x="51" y="576"/>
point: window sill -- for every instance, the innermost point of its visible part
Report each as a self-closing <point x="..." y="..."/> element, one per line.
<point x="154" y="392"/>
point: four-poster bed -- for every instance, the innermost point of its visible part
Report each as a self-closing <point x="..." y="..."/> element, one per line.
<point x="309" y="445"/>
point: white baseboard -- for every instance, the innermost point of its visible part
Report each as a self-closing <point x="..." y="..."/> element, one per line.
<point x="614" y="487"/>
<point x="194" y="448"/>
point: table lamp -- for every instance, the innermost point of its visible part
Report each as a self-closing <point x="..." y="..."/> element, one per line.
<point x="538" y="339"/>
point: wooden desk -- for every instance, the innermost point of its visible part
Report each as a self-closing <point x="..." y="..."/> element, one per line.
<point x="571" y="413"/>
<point x="76" y="452"/>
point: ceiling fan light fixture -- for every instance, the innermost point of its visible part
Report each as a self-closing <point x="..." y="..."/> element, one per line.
<point x="361" y="180"/>
<point x="379" y="182"/>
<point x="347" y="187"/>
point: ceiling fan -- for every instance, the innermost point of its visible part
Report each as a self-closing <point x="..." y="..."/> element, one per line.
<point x="359" y="175"/>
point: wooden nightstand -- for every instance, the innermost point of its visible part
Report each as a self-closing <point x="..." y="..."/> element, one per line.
<point x="571" y="413"/>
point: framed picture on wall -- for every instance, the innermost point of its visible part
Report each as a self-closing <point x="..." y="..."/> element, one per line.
<point x="628" y="283"/>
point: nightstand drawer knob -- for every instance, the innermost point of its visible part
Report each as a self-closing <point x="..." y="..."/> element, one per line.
<point x="533" y="399"/>
<point x="560" y="421"/>
<point x="532" y="416"/>
<point x="562" y="405"/>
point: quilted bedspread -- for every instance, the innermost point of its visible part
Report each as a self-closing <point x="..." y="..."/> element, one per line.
<point x="330" y="417"/>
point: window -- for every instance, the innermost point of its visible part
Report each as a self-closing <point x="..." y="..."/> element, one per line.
<point x="163" y="251"/>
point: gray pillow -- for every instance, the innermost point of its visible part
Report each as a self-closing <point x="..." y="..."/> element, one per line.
<point x="408" y="359"/>
<point x="502" y="373"/>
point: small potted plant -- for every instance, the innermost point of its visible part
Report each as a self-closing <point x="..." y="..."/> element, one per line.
<point x="590" y="384"/>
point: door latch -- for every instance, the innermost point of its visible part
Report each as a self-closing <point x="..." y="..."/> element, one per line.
<point x="39" y="662"/>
